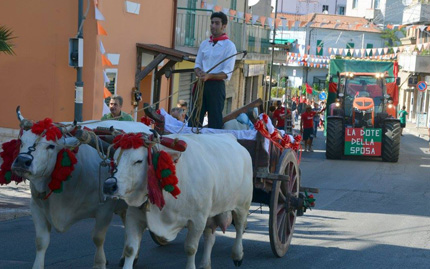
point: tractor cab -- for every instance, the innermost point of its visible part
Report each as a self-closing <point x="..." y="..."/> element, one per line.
<point x="362" y="97"/>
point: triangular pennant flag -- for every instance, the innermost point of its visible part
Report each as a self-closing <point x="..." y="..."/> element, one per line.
<point x="357" y="51"/>
<point x="362" y="52"/>
<point x="248" y="17"/>
<point x="232" y="12"/>
<point x="106" y="93"/>
<point x="262" y="20"/>
<point x="385" y="50"/>
<point x="240" y="15"/>
<point x="422" y="27"/>
<point x="99" y="16"/>
<point x="401" y="26"/>
<point x="217" y="8"/>
<point x="298" y="45"/>
<point x="373" y="51"/>
<point x="351" y="51"/>
<point x="290" y="24"/>
<point x="278" y="22"/>
<point x="368" y="51"/>
<point x="102" y="48"/>
<point x="329" y="50"/>
<point x="389" y="26"/>
<point x="106" y="79"/>
<point x="270" y="22"/>
<point x="340" y="51"/>
<point x="318" y="49"/>
<point x="100" y="29"/>
<point x="358" y="26"/>
<point x="379" y="51"/>
<point x="284" y="24"/>
<point x="307" y="48"/>
<point x="105" y="61"/>
<point x="419" y="46"/>
<point x="254" y="18"/>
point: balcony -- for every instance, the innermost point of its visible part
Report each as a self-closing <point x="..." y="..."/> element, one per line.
<point x="408" y="40"/>
<point x="415" y="14"/>
<point x="193" y="26"/>
<point x="414" y="63"/>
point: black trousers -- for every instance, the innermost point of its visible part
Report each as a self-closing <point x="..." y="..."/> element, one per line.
<point x="213" y="103"/>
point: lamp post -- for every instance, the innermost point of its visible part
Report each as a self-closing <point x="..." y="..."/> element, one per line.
<point x="79" y="84"/>
<point x="268" y="94"/>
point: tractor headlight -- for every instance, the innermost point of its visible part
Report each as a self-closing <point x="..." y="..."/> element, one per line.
<point x="390" y="106"/>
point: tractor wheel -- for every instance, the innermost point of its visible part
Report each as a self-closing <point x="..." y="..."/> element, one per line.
<point x="335" y="140"/>
<point x="391" y="141"/>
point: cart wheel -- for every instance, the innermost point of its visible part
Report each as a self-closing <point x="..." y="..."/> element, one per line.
<point x="282" y="216"/>
<point x="158" y="240"/>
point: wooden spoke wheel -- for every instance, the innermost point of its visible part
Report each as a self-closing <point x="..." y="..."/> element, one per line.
<point x="283" y="216"/>
<point x="158" y="240"/>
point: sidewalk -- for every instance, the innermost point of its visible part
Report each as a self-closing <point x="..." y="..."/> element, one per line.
<point x="14" y="200"/>
<point x="421" y="132"/>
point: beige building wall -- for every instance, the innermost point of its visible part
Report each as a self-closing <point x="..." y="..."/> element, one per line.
<point x="38" y="77"/>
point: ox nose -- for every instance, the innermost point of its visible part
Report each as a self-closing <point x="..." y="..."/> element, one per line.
<point x="22" y="162"/>
<point x="110" y="186"/>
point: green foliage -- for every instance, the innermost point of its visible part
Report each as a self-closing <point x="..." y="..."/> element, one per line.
<point x="277" y="92"/>
<point x="391" y="39"/>
<point x="5" y="40"/>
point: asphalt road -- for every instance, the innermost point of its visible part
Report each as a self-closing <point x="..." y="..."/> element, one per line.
<point x="369" y="214"/>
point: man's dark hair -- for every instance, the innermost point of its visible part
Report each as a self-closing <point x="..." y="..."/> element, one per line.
<point x="220" y="15"/>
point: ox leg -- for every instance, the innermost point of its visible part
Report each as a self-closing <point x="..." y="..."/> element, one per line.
<point x="43" y="230"/>
<point x="99" y="235"/>
<point x="239" y="217"/>
<point x="195" y="231"/>
<point x="134" y="228"/>
<point x="209" y="236"/>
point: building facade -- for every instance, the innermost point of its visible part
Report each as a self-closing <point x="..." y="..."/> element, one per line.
<point x="302" y="7"/>
<point x="381" y="12"/>
<point x="39" y="77"/>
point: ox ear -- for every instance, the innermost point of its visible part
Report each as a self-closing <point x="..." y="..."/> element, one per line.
<point x="71" y="142"/>
<point x="175" y="155"/>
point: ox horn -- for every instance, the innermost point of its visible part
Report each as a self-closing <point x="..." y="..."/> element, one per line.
<point x="24" y="123"/>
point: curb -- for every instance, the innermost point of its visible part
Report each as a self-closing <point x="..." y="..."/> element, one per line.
<point x="13" y="213"/>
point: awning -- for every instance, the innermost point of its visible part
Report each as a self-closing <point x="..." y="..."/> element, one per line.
<point x="284" y="41"/>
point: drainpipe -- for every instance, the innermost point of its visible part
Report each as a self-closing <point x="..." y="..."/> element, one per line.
<point x="79" y="84"/>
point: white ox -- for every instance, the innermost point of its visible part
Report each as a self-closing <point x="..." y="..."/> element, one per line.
<point x="215" y="179"/>
<point x="80" y="196"/>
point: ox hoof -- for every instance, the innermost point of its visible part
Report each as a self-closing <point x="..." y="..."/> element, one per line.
<point x="238" y="263"/>
<point x="122" y="261"/>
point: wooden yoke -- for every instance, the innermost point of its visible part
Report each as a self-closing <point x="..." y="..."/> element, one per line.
<point x="256" y="103"/>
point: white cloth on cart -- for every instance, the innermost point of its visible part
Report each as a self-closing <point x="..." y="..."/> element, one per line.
<point x="175" y="126"/>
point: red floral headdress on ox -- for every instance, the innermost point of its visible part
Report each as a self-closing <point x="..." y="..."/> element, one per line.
<point x="161" y="169"/>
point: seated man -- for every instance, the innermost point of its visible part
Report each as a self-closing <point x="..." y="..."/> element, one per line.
<point x="178" y="113"/>
<point x="115" y="105"/>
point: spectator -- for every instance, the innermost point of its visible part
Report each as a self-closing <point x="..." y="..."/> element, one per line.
<point x="316" y="120"/>
<point x="115" y="105"/>
<point x="402" y="117"/>
<point x="306" y="127"/>
<point x="184" y="105"/>
<point x="178" y="113"/>
<point x="279" y="115"/>
<point x="271" y="111"/>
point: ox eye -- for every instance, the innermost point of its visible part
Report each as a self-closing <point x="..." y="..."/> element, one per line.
<point x="50" y="147"/>
<point x="138" y="162"/>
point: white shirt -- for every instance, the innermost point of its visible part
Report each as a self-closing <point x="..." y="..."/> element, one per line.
<point x="209" y="55"/>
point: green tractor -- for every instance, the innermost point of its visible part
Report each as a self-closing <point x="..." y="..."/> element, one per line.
<point x="361" y="120"/>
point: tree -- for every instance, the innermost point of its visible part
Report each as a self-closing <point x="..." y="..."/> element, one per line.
<point x="391" y="37"/>
<point x="5" y="40"/>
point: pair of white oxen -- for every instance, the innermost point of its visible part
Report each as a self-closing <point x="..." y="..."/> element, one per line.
<point x="215" y="179"/>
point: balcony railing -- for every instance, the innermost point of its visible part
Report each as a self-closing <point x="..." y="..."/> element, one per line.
<point x="414" y="63"/>
<point x="193" y="26"/>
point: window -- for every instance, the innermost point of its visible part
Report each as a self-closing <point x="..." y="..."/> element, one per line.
<point x="377" y="4"/>
<point x="341" y="10"/>
<point x="320" y="47"/>
<point x="354" y="3"/>
<point x="325" y="8"/>
<point x="349" y="46"/>
<point x="369" y="46"/>
<point x="112" y="74"/>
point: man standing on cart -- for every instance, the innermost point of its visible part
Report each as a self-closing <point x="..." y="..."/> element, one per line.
<point x="211" y="52"/>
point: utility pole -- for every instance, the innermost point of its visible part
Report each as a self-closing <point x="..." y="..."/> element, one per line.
<point x="269" y="94"/>
<point x="79" y="84"/>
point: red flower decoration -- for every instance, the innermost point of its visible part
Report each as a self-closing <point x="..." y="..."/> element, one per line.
<point x="147" y="121"/>
<point x="128" y="141"/>
<point x="9" y="153"/>
<point x="52" y="132"/>
<point x="298" y="138"/>
<point x="265" y="118"/>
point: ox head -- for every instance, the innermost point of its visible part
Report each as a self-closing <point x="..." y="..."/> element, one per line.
<point x="132" y="171"/>
<point x="40" y="144"/>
